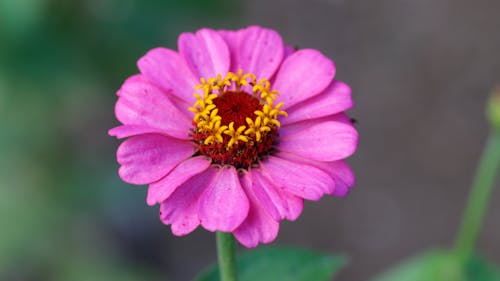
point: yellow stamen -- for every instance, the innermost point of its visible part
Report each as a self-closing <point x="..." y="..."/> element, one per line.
<point x="216" y="131"/>
<point x="235" y="134"/>
<point x="256" y="128"/>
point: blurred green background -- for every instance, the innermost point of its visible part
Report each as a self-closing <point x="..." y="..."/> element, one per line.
<point x="420" y="71"/>
<point x="64" y="213"/>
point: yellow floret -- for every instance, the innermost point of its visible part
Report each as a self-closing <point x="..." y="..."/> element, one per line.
<point x="236" y="135"/>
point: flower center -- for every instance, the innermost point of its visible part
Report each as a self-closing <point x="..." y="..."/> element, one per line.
<point x="235" y="120"/>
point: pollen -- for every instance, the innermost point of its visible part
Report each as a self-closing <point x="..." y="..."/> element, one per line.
<point x="235" y="118"/>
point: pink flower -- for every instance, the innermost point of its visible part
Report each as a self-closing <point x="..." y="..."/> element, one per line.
<point x="234" y="131"/>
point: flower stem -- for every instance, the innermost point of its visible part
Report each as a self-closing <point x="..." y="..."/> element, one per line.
<point x="478" y="199"/>
<point x="226" y="252"/>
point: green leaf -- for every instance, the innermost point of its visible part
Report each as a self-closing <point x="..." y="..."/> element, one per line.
<point x="432" y="265"/>
<point x="479" y="269"/>
<point x="442" y="266"/>
<point x="279" y="264"/>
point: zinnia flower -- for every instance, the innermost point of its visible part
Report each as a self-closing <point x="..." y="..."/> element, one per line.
<point x="234" y="131"/>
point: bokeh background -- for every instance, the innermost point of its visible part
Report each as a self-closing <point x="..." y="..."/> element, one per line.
<point x="420" y="71"/>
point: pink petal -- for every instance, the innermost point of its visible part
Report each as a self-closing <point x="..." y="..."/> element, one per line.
<point x="205" y="52"/>
<point x="147" y="158"/>
<point x="260" y="51"/>
<point x="339" y="171"/>
<point x="303" y="75"/>
<point x="232" y="40"/>
<point x="321" y="139"/>
<point x="289" y="50"/>
<point x="300" y="179"/>
<point x="135" y="78"/>
<point x="143" y="104"/>
<point x="339" y="117"/>
<point x="168" y="70"/>
<point x="180" y="104"/>
<point x="259" y="226"/>
<point x="126" y="131"/>
<point x="159" y="191"/>
<point x="343" y="176"/>
<point x="280" y="204"/>
<point x="223" y="205"/>
<point x="334" y="99"/>
<point x="181" y="208"/>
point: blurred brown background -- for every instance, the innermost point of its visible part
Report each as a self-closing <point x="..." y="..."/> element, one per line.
<point x="420" y="71"/>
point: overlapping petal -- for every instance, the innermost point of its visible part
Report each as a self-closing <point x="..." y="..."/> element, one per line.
<point x="255" y="50"/>
<point x="334" y="99"/>
<point x="181" y="208"/>
<point x="231" y="38"/>
<point x="205" y="52"/>
<point x="303" y="75"/>
<point x="300" y="179"/>
<point x="343" y="176"/>
<point x="325" y="140"/>
<point x="159" y="191"/>
<point x="279" y="203"/>
<point x="339" y="171"/>
<point x="259" y="226"/>
<point x="147" y="158"/>
<point x="224" y="205"/>
<point x="126" y="131"/>
<point x="141" y="104"/>
<point x="168" y="70"/>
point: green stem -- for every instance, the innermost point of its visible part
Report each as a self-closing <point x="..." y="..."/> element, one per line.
<point x="479" y="197"/>
<point x="226" y="252"/>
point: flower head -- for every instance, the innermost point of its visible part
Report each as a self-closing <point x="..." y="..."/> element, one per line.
<point x="234" y="131"/>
